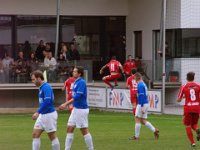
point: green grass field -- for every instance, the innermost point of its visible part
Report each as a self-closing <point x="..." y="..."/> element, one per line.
<point x="110" y="131"/>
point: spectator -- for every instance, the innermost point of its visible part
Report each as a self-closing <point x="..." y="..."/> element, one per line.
<point x="66" y="53"/>
<point x="26" y="49"/>
<point x="7" y="63"/>
<point x="138" y="62"/>
<point x="32" y="62"/>
<point x="75" y="52"/>
<point x="39" y="51"/>
<point x="129" y="65"/>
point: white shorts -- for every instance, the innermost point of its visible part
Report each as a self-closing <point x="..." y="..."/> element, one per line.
<point x="47" y="122"/>
<point x="138" y="112"/>
<point x="79" y="118"/>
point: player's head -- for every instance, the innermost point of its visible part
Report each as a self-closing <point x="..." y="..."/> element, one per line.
<point x="130" y="57"/>
<point x="190" y="76"/>
<point x="114" y="57"/>
<point x="133" y="71"/>
<point x="138" y="76"/>
<point x="37" y="77"/>
<point x="78" y="72"/>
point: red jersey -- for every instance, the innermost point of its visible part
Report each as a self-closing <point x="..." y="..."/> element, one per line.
<point x="138" y="63"/>
<point x="128" y="66"/>
<point x="113" y="66"/>
<point x="68" y="84"/>
<point x="191" y="92"/>
<point x="132" y="84"/>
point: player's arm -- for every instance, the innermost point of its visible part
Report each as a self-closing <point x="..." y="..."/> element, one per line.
<point x="64" y="105"/>
<point x="180" y="95"/>
<point x="101" y="70"/>
<point x="65" y="85"/>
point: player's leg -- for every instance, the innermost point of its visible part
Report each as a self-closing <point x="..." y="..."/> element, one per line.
<point x="50" y="128"/>
<point x="70" y="129"/>
<point x="69" y="137"/>
<point x="82" y="123"/>
<point x="133" y="98"/>
<point x="147" y="123"/>
<point x="36" y="139"/>
<point x="195" y="119"/>
<point x="106" y="79"/>
<point x="115" y="78"/>
<point x="54" y="141"/>
<point x="187" y="122"/>
<point x="37" y="131"/>
<point x="88" y="138"/>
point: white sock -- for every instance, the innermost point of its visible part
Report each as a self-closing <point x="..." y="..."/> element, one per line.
<point x="150" y="126"/>
<point x="36" y="144"/>
<point x="88" y="141"/>
<point x="55" y="144"/>
<point x="137" y="130"/>
<point x="69" y="140"/>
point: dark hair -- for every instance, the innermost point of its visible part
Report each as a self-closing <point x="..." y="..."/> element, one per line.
<point x="190" y="76"/>
<point x="138" y="76"/>
<point x="133" y="71"/>
<point x="114" y="57"/>
<point x="38" y="74"/>
<point x="80" y="70"/>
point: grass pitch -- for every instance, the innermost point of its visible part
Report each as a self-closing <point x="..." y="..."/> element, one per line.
<point x="110" y="131"/>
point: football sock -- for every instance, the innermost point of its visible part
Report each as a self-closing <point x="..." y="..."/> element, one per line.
<point x="88" y="141"/>
<point x="69" y="140"/>
<point x="108" y="83"/>
<point x="189" y="134"/>
<point x="55" y="144"/>
<point x="150" y="126"/>
<point x="195" y="127"/>
<point x="137" y="129"/>
<point x="36" y="144"/>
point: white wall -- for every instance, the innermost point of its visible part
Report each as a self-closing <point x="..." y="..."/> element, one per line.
<point x="143" y="15"/>
<point x="190" y="13"/>
<point x="68" y="7"/>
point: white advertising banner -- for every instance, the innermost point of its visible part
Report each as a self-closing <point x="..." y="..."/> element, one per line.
<point x="120" y="98"/>
<point x="96" y="97"/>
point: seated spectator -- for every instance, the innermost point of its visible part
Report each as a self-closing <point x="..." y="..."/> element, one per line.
<point x="75" y="52"/>
<point x="39" y="51"/>
<point x="21" y="71"/>
<point x="26" y="49"/>
<point x="32" y="62"/>
<point x="61" y="58"/>
<point x="66" y="53"/>
<point x="129" y="65"/>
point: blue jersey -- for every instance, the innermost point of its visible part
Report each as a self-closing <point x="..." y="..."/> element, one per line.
<point x="46" y="99"/>
<point x="142" y="93"/>
<point x="79" y="94"/>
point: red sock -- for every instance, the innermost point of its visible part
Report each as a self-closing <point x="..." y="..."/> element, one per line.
<point x="134" y="111"/>
<point x="189" y="134"/>
<point x="107" y="82"/>
<point x="195" y="127"/>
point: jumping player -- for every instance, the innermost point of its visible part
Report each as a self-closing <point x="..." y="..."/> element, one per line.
<point x="142" y="108"/>
<point x="132" y="84"/>
<point x="68" y="86"/>
<point x="114" y="68"/>
<point x="80" y="112"/>
<point x="191" y="92"/>
<point x="46" y="116"/>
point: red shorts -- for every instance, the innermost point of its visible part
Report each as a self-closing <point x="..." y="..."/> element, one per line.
<point x="133" y="97"/>
<point x="190" y="118"/>
<point x="113" y="77"/>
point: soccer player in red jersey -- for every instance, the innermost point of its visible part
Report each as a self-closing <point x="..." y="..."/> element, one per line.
<point x="132" y="84"/>
<point x="129" y="65"/>
<point x="68" y="86"/>
<point x="114" y="68"/>
<point x="191" y="92"/>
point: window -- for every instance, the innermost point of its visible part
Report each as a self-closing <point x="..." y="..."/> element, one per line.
<point x="138" y="43"/>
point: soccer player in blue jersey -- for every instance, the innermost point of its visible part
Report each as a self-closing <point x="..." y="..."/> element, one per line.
<point x="79" y="114"/>
<point x="142" y="108"/>
<point x="46" y="116"/>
